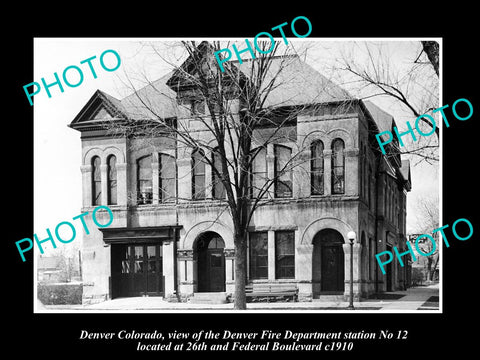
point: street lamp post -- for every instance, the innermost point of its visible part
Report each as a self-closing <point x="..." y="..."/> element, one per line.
<point x="351" y="237"/>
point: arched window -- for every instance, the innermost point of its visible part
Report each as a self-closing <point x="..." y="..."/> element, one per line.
<point x="96" y="181"/>
<point x="338" y="166"/>
<point x="316" y="167"/>
<point x="218" y="189"/>
<point x="258" y="175"/>
<point x="112" y="180"/>
<point x="198" y="175"/>
<point x="167" y="177"/>
<point x="283" y="171"/>
<point x="144" y="180"/>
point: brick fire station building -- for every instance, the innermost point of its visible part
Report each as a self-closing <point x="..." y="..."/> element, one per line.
<point x="171" y="235"/>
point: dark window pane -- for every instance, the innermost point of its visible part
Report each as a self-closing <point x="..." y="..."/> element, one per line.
<point x="168" y="189"/>
<point x="144" y="180"/>
<point x="216" y="242"/>
<point x="262" y="272"/>
<point x="338" y="166"/>
<point x="96" y="168"/>
<point x="285" y="254"/>
<point x="259" y="173"/>
<point x="199" y="192"/>
<point x="145" y="168"/>
<point x="218" y="188"/>
<point x="198" y="175"/>
<point x="138" y="259"/>
<point x="258" y="255"/>
<point x="283" y="172"/>
<point x="215" y="260"/>
<point x="127" y="256"/>
<point x="262" y="260"/>
<point x="317" y="168"/>
<point x="167" y="177"/>
<point x="152" y="259"/>
<point x="96" y="181"/>
<point x="112" y="180"/>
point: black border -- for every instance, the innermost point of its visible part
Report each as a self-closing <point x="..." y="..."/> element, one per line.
<point x="429" y="334"/>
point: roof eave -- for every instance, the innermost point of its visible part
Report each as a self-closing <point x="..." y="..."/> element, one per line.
<point x="98" y="96"/>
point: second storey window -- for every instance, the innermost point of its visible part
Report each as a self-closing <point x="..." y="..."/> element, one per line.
<point x="218" y="189"/>
<point x="167" y="183"/>
<point x="96" y="181"/>
<point x="198" y="175"/>
<point x="283" y="172"/>
<point x="338" y="166"/>
<point x="316" y="164"/>
<point x="112" y="180"/>
<point x="258" y="176"/>
<point x="144" y="180"/>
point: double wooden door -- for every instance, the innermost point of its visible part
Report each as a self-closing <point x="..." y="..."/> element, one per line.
<point x="137" y="270"/>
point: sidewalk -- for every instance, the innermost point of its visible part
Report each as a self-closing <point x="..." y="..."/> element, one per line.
<point x="406" y="301"/>
<point x="414" y="298"/>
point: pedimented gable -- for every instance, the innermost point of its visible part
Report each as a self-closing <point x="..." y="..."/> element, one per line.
<point x="102" y="114"/>
<point x="186" y="75"/>
<point x="99" y="108"/>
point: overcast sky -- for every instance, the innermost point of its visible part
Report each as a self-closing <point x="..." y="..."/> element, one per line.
<point x="57" y="148"/>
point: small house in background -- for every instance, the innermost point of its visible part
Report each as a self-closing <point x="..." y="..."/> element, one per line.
<point x="55" y="269"/>
<point x="49" y="269"/>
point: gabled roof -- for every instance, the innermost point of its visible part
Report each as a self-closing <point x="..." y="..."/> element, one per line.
<point x="204" y="51"/>
<point x="295" y="83"/>
<point x="100" y="102"/>
<point x="384" y="120"/>
<point x="157" y="96"/>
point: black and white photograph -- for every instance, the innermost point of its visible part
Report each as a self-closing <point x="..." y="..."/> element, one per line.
<point x="250" y="183"/>
<point x="247" y="185"/>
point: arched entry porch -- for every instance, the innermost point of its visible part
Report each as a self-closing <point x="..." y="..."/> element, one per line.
<point x="209" y="252"/>
<point x="328" y="263"/>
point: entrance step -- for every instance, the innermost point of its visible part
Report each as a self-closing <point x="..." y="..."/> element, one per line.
<point x="209" y="298"/>
<point x="330" y="298"/>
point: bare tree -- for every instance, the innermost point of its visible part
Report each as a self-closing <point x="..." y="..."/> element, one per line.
<point x="413" y="85"/>
<point x="432" y="49"/>
<point x="239" y="105"/>
<point x="427" y="208"/>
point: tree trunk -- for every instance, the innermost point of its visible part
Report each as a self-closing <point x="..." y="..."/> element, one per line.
<point x="240" y="270"/>
<point x="434" y="267"/>
<point x="429" y="267"/>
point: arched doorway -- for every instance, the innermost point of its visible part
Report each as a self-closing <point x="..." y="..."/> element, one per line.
<point x="328" y="263"/>
<point x="210" y="262"/>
